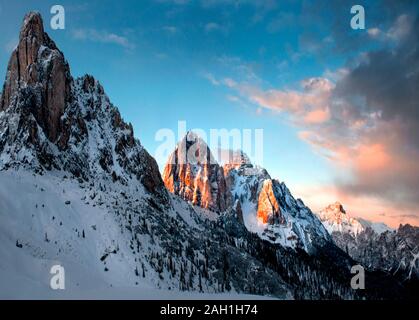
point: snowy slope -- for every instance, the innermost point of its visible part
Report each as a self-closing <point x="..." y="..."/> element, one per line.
<point x="47" y="229"/>
<point x="51" y="232"/>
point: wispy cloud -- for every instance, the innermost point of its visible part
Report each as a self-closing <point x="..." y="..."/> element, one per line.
<point x="397" y="32"/>
<point x="103" y="37"/>
<point x="215" y="27"/>
<point x="171" y="29"/>
<point x="210" y="77"/>
<point x="310" y="105"/>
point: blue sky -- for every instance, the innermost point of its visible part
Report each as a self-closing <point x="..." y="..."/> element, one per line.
<point x="164" y="61"/>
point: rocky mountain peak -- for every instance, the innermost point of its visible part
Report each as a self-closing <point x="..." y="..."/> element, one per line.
<point x="192" y="173"/>
<point x="38" y="76"/>
<point x="48" y="120"/>
<point x="32" y="27"/>
<point x="264" y="205"/>
<point x="337" y="207"/>
<point x="336" y="219"/>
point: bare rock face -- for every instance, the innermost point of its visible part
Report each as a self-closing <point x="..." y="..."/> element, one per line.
<point x="237" y="207"/>
<point x="192" y="173"/>
<point x="268" y="209"/>
<point x="37" y="65"/>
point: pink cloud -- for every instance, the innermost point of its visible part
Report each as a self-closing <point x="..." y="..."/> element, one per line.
<point x="310" y="105"/>
<point x="368" y="207"/>
<point x="317" y="116"/>
<point x="365" y="151"/>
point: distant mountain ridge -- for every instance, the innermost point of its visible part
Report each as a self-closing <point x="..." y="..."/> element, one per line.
<point x="375" y="245"/>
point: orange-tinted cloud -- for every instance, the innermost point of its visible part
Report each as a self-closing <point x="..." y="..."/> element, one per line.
<point x="367" y="207"/>
<point x="365" y="120"/>
<point x="310" y="105"/>
<point x="317" y="116"/>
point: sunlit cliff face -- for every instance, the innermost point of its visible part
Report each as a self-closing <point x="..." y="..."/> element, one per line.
<point x="268" y="207"/>
<point x="192" y="174"/>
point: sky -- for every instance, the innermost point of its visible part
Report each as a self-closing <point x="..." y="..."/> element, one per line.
<point x="339" y="107"/>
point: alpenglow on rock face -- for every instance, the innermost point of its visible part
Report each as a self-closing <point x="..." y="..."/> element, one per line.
<point x="269" y="210"/>
<point x="336" y="219"/>
<point x="192" y="173"/>
<point x="267" y="206"/>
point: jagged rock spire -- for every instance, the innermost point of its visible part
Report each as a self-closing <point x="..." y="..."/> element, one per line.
<point x="192" y="173"/>
<point x="39" y="69"/>
<point x="51" y="121"/>
<point x="32" y="27"/>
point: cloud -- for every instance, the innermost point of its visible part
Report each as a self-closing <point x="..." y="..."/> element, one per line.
<point x="170" y="29"/>
<point x="364" y="119"/>
<point x="308" y="105"/>
<point x="229" y="82"/>
<point x="317" y="116"/>
<point x="374" y="32"/>
<point x="212" y="26"/>
<point x="210" y="77"/>
<point x="370" y="208"/>
<point x="102" y="37"/>
<point x="397" y="32"/>
<point x="215" y="27"/>
<point x="326" y="31"/>
<point x="374" y="123"/>
<point x="401" y="27"/>
<point x="243" y="70"/>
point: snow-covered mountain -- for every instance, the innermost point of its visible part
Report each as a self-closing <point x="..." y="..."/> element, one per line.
<point x="267" y="206"/>
<point x="270" y="210"/>
<point x="395" y="252"/>
<point x="78" y="189"/>
<point x="374" y="244"/>
<point x="336" y="219"/>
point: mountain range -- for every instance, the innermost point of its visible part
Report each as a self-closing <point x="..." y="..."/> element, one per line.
<point x="375" y="245"/>
<point x="78" y="189"/>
